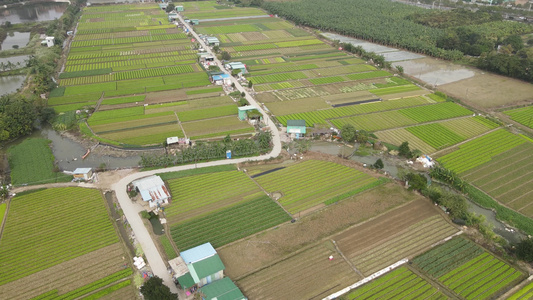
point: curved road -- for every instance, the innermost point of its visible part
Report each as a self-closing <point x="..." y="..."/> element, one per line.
<point x="131" y="210"/>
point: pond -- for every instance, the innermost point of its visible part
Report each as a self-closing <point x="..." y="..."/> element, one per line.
<point x="68" y="153"/>
<point x="15" y="40"/>
<point x="510" y="234"/>
<point x="10" y="84"/>
<point x="33" y="12"/>
<point x="16" y="60"/>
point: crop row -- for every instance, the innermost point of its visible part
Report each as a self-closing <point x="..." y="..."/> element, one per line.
<point x="140" y="63"/>
<point x="95" y="285"/>
<point x="315" y="189"/>
<point x="401" y="283"/>
<point x="228" y="29"/>
<point x="480" y="150"/>
<point x="62" y="235"/>
<point x="326" y="80"/>
<point x="448" y="256"/>
<point x="523" y="115"/>
<point x="286" y="67"/>
<point x="153" y="72"/>
<point x="126" y="40"/>
<point x="320" y="117"/>
<point x="101" y="116"/>
<point x="115" y="35"/>
<point x="215" y="187"/>
<point x="436" y="135"/>
<point x="122" y="23"/>
<point x="299" y="43"/>
<point x="207" y="113"/>
<point x="229" y="224"/>
<point x="108" y="54"/>
<point x="277" y="77"/>
<point x="254" y="47"/>
<point x="524" y="293"/>
<point x="124" y="57"/>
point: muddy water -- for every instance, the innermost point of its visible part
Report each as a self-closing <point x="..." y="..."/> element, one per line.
<point x="68" y="154"/>
<point x="497" y="226"/>
<point x="10" y="84"/>
<point x="19" y="39"/>
<point x="33" y="12"/>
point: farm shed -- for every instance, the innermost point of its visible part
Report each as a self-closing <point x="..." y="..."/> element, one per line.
<point x="163" y="5"/>
<point x="50" y="41"/>
<point x="212" y="41"/>
<point x="221" y="79"/>
<point x="179" y="8"/>
<point x="243" y="111"/>
<point x="83" y="173"/>
<point x="203" y="266"/>
<point x="236" y="65"/>
<point x="223" y="289"/>
<point x="152" y="190"/>
<point x="296" y="128"/>
<point x="195" y="22"/>
<point x="172" y="16"/>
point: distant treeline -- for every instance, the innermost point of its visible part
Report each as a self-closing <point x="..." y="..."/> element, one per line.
<point x="494" y="44"/>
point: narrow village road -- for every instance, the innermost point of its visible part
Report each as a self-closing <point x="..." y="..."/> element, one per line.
<point x="131" y="210"/>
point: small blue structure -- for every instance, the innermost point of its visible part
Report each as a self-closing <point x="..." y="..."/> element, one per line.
<point x="296" y="128"/>
<point x="228" y="154"/>
<point x="221" y="79"/>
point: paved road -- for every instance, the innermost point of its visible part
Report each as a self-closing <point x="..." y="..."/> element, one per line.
<point x="131" y="210"/>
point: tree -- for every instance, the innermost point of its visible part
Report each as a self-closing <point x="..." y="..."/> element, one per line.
<point x="399" y="69"/>
<point x="154" y="289"/>
<point x="243" y="102"/>
<point x="250" y="84"/>
<point x="235" y="72"/>
<point x="404" y="150"/>
<point x="216" y="48"/>
<point x="361" y="136"/>
<point x="524" y="250"/>
<point x="348" y="133"/>
<point x="170" y="7"/>
<point x="416" y="181"/>
<point x="378" y="164"/>
<point x="225" y="55"/>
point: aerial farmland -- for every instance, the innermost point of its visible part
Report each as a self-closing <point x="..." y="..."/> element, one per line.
<point x="289" y="224"/>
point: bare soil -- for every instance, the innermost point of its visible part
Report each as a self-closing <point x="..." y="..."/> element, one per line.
<point x="490" y="91"/>
<point x="248" y="255"/>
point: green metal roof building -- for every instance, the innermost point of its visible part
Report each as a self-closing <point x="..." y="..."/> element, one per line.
<point x="223" y="289"/>
<point x="198" y="266"/>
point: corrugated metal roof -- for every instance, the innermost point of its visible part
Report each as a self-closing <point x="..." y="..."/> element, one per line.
<point x="82" y="170"/>
<point x="217" y="77"/>
<point x="245" y="108"/>
<point x="296" y="123"/>
<point x="186" y="281"/>
<point x="206" y="267"/>
<point x="198" y="253"/>
<point x="223" y="289"/>
<point x="152" y="188"/>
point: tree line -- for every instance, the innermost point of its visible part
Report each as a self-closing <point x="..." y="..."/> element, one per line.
<point x="493" y="44"/>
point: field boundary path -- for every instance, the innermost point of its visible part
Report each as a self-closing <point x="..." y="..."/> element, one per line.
<point x="346" y="259"/>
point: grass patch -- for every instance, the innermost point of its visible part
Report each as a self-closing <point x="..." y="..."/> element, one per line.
<point x="167" y="246"/>
<point x="85" y="73"/>
<point x="32" y="162"/>
<point x="123" y="100"/>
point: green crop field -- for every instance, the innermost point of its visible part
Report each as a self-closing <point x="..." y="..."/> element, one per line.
<point x="48" y="246"/>
<point x="523" y="115"/>
<point x="481" y="150"/>
<point x="400" y="283"/>
<point x="506" y="178"/>
<point x="229" y="224"/>
<point x="304" y="185"/>
<point x="436" y="135"/>
<point x="32" y="162"/>
<point x="206" y="113"/>
<point x="219" y="190"/>
<point x="320" y="116"/>
<point x="439" y="111"/>
<point x="523" y="294"/>
<point x="468" y="270"/>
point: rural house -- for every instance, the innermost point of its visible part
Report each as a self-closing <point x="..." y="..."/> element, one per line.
<point x="223" y="289"/>
<point x="83" y="173"/>
<point x="236" y="66"/>
<point x="152" y="190"/>
<point x="197" y="267"/>
<point x="296" y="128"/>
